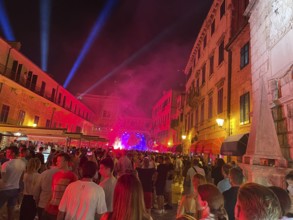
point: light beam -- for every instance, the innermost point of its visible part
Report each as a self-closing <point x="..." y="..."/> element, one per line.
<point x="5" y="24"/>
<point x="45" y="14"/>
<point x="95" y="31"/>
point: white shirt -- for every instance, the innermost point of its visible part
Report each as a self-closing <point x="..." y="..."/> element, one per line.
<point x="82" y="200"/>
<point x="109" y="186"/>
<point x="43" y="189"/>
<point x="11" y="172"/>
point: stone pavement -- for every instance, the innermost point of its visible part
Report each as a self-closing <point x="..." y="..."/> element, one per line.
<point x="170" y="214"/>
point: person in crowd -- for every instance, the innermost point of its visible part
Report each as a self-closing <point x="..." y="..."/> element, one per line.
<point x="168" y="185"/>
<point x="128" y="200"/>
<point x="83" y="199"/>
<point x="152" y="163"/>
<point x="28" y="207"/>
<point x="108" y="182"/>
<point x="192" y="171"/>
<point x="285" y="202"/>
<point x="257" y="202"/>
<point x="289" y="182"/>
<point x="43" y="189"/>
<point x="224" y="184"/>
<point x="188" y="203"/>
<point x="60" y="181"/>
<point x="50" y="157"/>
<point x="41" y="157"/>
<point x="185" y="217"/>
<point x="11" y="174"/>
<point x="178" y="169"/>
<point x="146" y="177"/>
<point x="23" y="153"/>
<point x="230" y="195"/>
<point x="211" y="203"/>
<point x="217" y="171"/>
<point x="160" y="182"/>
<point x="124" y="164"/>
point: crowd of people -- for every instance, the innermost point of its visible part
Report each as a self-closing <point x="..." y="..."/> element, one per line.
<point x="127" y="185"/>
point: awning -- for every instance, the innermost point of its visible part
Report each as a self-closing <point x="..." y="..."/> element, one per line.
<point x="235" y="145"/>
<point x="212" y="146"/>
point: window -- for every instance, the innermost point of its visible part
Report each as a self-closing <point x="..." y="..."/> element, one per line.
<point x="36" y="120"/>
<point x="213" y="27"/>
<point x="211" y="64"/>
<point x="53" y="95"/>
<point x="48" y="123"/>
<point x="222" y="9"/>
<point x="244" y="55"/>
<point x="196" y="116"/>
<point x="202" y="112"/>
<point x="221" y="52"/>
<point x="203" y="74"/>
<point x="198" y="54"/>
<point x="4" y="113"/>
<point x="29" y="79"/>
<point x="244" y="108"/>
<point x="14" y="69"/>
<point x="1" y="86"/>
<point x="78" y="129"/>
<point x="191" y="120"/>
<point x="21" y="116"/>
<point x="59" y="98"/>
<point x="210" y="112"/>
<point x="34" y="82"/>
<point x="43" y="87"/>
<point x="18" y="73"/>
<point x="64" y="101"/>
<point x="204" y="41"/>
<point x="220" y="100"/>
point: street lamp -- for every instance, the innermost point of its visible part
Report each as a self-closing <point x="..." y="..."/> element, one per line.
<point x="220" y="123"/>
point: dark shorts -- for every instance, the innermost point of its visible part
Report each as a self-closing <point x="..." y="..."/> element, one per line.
<point x="10" y="196"/>
<point x="160" y="189"/>
<point x="148" y="199"/>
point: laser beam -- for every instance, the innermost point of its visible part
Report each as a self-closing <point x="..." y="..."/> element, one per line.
<point x="93" y="35"/>
<point x="45" y="14"/>
<point x="5" y="24"/>
<point x="128" y="61"/>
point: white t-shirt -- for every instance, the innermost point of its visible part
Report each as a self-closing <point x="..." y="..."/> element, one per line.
<point x="82" y="200"/>
<point x="11" y="172"/>
<point x="109" y="186"/>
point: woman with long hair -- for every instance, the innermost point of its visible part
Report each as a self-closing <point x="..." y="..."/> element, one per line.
<point x="128" y="202"/>
<point x="28" y="207"/>
<point x="211" y="203"/>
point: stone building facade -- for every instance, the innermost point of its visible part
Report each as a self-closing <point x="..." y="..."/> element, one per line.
<point x="217" y="79"/>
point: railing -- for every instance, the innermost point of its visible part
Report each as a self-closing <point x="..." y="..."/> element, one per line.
<point x="21" y="80"/>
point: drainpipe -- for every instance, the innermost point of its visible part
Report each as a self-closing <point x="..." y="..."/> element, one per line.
<point x="229" y="91"/>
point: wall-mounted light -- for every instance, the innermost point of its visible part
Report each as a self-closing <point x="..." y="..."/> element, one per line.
<point x="183" y="137"/>
<point x="35" y="125"/>
<point x="220" y="122"/>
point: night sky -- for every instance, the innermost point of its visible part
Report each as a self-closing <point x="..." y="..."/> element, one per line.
<point x="166" y="29"/>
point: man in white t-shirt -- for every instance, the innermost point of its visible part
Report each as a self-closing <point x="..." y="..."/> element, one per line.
<point x="83" y="199"/>
<point x="11" y="174"/>
<point x="192" y="171"/>
<point x="108" y="182"/>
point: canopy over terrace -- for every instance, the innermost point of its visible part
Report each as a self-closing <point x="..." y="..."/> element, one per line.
<point x="47" y="134"/>
<point x="79" y="139"/>
<point x="211" y="146"/>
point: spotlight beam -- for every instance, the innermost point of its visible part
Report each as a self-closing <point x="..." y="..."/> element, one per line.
<point x="134" y="56"/>
<point x="131" y="58"/>
<point x="45" y="14"/>
<point x="5" y="24"/>
<point x="101" y="20"/>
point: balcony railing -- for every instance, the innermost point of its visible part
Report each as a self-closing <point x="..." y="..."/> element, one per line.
<point x="21" y="80"/>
